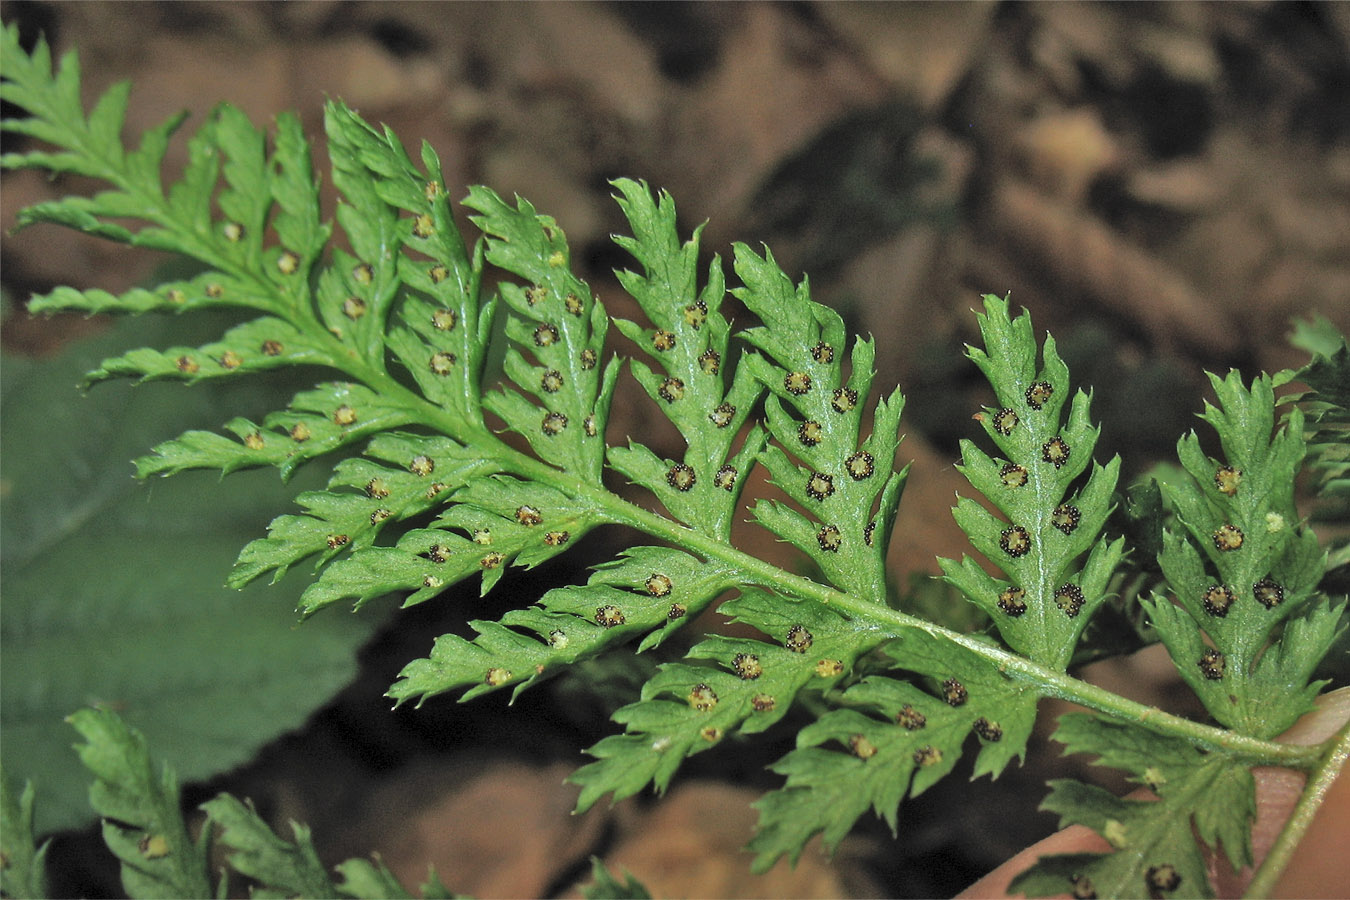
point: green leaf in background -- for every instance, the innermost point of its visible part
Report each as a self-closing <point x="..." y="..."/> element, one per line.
<point x="604" y="886"/>
<point x="141" y="811"/>
<point x="293" y="869"/>
<point x="114" y="590"/>
<point x="23" y="870"/>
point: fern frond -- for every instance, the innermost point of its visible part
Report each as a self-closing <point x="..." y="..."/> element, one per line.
<point x="142" y="822"/>
<point x="24" y="873"/>
<point x="840" y="477"/>
<point x="1050" y="591"/>
<point x="893" y="739"/>
<point x="690" y="342"/>
<point x="1207" y="795"/>
<point x="1241" y="565"/>
<point x="428" y="493"/>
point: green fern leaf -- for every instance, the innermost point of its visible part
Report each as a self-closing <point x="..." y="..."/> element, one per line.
<point x="429" y="494"/>
<point x="893" y="740"/>
<point x="317" y="422"/>
<point x="345" y="520"/>
<point x="689" y="340"/>
<point x="257" y="346"/>
<point x="750" y="686"/>
<point x="1242" y="566"/>
<point x="24" y="872"/>
<point x="841" y="478"/>
<point x="1048" y="597"/>
<point x="604" y="886"/>
<point x="364" y="879"/>
<point x="648" y="591"/>
<point x="508" y="520"/>
<point x="142" y="822"/>
<point x="1204" y="794"/>
<point x="557" y="321"/>
<point x="285" y="868"/>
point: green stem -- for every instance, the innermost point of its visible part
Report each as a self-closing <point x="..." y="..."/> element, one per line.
<point x="1322" y="775"/>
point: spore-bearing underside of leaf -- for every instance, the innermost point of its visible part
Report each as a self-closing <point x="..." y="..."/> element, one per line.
<point x="406" y="320"/>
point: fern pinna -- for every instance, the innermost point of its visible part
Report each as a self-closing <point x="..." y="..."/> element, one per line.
<point x="395" y="308"/>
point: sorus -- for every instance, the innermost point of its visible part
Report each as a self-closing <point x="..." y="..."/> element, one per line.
<point x="553" y="424"/>
<point x="695" y="314"/>
<point x="1055" y="452"/>
<point x="609" y="615"/>
<point x="1015" y="541"/>
<point x="1005" y="420"/>
<point x="862" y="747"/>
<point x="990" y="731"/>
<point x="1065" y="518"/>
<point x="1162" y="878"/>
<point x="1012" y="601"/>
<point x="1039" y="393"/>
<point x="288" y="262"/>
<point x="927" y="755"/>
<point x="1268" y="592"/>
<point x="671" y="389"/>
<point x="819" y="486"/>
<point x="725" y="478"/>
<point x="830" y="539"/>
<point x="1069" y="597"/>
<point x="1217" y="599"/>
<point x="844" y="399"/>
<point x="1227" y="538"/>
<point x="829" y="668"/>
<point x="545" y="335"/>
<point x="702" y="697"/>
<point x="1227" y="479"/>
<point x="798" y="639"/>
<point x="797" y="383"/>
<point x="746" y="666"/>
<point x="910" y="718"/>
<point x="860" y="465"/>
<point x="722" y="415"/>
<point x="1212" y="663"/>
